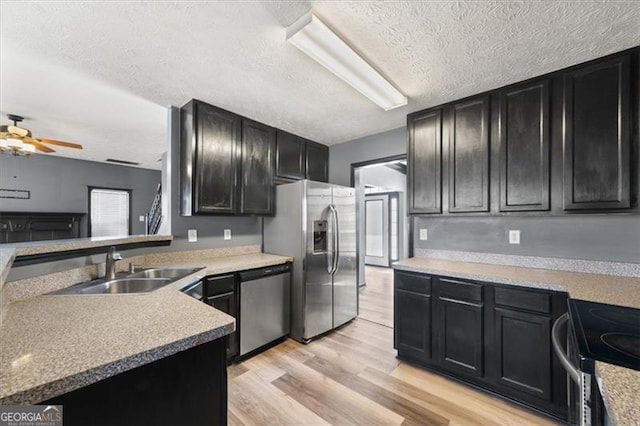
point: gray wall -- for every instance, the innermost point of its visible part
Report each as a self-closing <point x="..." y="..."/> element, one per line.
<point x="244" y="230"/>
<point x="60" y="184"/>
<point x="385" y="144"/>
<point x="590" y="237"/>
<point x="613" y="237"/>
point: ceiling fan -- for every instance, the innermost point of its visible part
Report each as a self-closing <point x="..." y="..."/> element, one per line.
<point x="20" y="141"/>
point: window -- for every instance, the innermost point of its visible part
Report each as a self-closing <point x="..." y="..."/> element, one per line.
<point x="109" y="211"/>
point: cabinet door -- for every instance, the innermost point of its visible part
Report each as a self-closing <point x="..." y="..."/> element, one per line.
<point x="597" y="118"/>
<point x="524" y="147"/>
<point x="523" y="352"/>
<point x="461" y="336"/>
<point x="228" y="304"/>
<point x="290" y="156"/>
<point x="217" y="139"/>
<point x="413" y="324"/>
<point x="469" y="156"/>
<point x="424" y="183"/>
<point x="257" y="189"/>
<point x="317" y="162"/>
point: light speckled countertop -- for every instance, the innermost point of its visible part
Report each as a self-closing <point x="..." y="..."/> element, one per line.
<point x="621" y="385"/>
<point x="55" y="246"/>
<point x="51" y="345"/>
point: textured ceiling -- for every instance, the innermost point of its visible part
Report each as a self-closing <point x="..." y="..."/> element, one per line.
<point x="133" y="58"/>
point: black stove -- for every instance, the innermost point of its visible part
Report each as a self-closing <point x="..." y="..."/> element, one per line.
<point x="607" y="333"/>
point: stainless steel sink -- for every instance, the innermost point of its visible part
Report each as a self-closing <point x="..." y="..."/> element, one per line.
<point x="126" y="285"/>
<point x="141" y="282"/>
<point x="171" y="273"/>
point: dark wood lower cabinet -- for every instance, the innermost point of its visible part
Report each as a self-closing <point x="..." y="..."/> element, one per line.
<point x="523" y="352"/>
<point x="461" y="337"/>
<point x="489" y="335"/>
<point x="187" y="388"/>
<point x="221" y="292"/>
<point x="413" y="323"/>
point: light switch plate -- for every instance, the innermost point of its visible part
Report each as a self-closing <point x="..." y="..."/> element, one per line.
<point x="514" y="236"/>
<point x="141" y="219"/>
<point x="227" y="234"/>
<point x="192" y="235"/>
<point x="424" y="235"/>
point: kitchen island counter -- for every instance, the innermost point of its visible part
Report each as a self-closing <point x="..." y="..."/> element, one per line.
<point x="53" y="344"/>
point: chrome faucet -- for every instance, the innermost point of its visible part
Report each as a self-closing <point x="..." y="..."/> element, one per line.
<point x="110" y="267"/>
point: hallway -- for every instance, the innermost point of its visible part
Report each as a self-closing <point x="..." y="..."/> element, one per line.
<point x="376" y="298"/>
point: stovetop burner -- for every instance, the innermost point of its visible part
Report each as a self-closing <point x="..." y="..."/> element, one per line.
<point x="607" y="333"/>
<point x="628" y="344"/>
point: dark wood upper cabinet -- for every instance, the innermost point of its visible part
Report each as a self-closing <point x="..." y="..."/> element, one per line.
<point x="562" y="143"/>
<point x="597" y="126"/>
<point x="210" y="138"/>
<point x="524" y="147"/>
<point x="291" y="157"/>
<point x="425" y="162"/>
<point x="317" y="162"/>
<point x="469" y="156"/>
<point x="257" y="166"/>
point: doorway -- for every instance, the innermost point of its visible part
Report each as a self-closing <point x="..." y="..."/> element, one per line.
<point x="382" y="225"/>
<point x="382" y="228"/>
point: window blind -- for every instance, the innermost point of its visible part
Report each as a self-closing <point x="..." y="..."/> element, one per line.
<point x="109" y="213"/>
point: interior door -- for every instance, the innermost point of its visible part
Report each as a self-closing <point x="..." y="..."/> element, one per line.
<point x="345" y="283"/>
<point x="318" y="317"/>
<point x="376" y="211"/>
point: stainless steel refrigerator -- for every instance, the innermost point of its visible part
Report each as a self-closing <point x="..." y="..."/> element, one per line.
<point x="315" y="222"/>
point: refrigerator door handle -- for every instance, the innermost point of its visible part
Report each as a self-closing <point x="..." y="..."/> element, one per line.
<point x="330" y="245"/>
<point x="335" y="240"/>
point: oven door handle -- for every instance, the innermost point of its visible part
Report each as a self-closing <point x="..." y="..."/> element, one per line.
<point x="561" y="323"/>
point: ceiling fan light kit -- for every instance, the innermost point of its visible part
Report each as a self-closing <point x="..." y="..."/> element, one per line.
<point x="16" y="146"/>
<point x="18" y="141"/>
<point x="314" y="38"/>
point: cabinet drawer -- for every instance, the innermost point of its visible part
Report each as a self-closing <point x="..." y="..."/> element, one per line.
<point x="462" y="290"/>
<point x="413" y="282"/>
<point x="522" y="299"/>
<point x="219" y="285"/>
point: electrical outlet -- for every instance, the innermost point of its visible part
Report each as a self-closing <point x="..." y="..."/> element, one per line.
<point x="514" y="236"/>
<point x="141" y="219"/>
<point x="227" y="234"/>
<point x="424" y="236"/>
<point x="192" y="235"/>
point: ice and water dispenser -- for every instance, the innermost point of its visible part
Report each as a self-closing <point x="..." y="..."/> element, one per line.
<point x="319" y="236"/>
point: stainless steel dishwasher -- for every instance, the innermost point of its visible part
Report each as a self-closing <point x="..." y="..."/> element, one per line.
<point x="265" y="306"/>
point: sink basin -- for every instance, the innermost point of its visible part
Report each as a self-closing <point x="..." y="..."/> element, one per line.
<point x="125" y="286"/>
<point x="171" y="273"/>
<point x="141" y="282"/>
<point x="117" y="286"/>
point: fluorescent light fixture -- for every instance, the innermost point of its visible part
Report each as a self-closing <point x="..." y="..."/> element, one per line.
<point x="314" y="38"/>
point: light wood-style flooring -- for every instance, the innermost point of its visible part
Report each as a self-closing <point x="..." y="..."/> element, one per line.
<point x="352" y="377"/>
<point x="376" y="298"/>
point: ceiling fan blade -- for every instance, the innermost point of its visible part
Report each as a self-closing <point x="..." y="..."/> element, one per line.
<point x="60" y="143"/>
<point x="38" y="145"/>
<point x="18" y="131"/>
